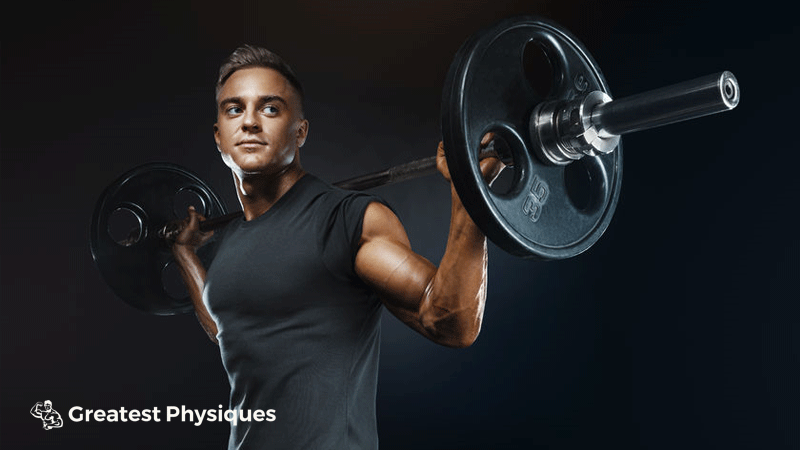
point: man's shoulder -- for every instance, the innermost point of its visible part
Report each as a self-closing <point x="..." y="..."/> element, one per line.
<point x="335" y="194"/>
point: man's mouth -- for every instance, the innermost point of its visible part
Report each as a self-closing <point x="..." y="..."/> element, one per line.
<point x="251" y="142"/>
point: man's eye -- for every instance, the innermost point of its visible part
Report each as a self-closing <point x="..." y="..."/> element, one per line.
<point x="233" y="110"/>
<point x="271" y="110"/>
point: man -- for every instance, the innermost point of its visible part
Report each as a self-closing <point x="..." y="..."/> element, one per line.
<point x="294" y="294"/>
<point x="49" y="416"/>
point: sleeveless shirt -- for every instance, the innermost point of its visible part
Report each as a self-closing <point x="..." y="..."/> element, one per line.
<point x="298" y="331"/>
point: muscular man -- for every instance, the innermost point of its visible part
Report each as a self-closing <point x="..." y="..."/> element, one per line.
<point x="294" y="294"/>
<point x="50" y="417"/>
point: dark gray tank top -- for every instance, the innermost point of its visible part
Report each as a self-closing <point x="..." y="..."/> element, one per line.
<point x="298" y="331"/>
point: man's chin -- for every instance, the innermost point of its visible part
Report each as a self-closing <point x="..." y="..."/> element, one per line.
<point x="246" y="171"/>
<point x="242" y="169"/>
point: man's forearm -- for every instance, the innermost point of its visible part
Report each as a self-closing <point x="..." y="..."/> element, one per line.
<point x="194" y="277"/>
<point x="453" y="304"/>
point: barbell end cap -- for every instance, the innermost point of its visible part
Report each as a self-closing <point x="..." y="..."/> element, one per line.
<point x="729" y="89"/>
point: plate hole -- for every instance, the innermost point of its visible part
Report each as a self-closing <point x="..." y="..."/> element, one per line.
<point x="125" y="226"/>
<point x="188" y="197"/>
<point x="578" y="180"/>
<point x="172" y="282"/>
<point x="538" y="69"/>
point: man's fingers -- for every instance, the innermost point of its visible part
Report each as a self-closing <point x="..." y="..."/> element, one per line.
<point x="441" y="162"/>
<point x="491" y="168"/>
<point x="194" y="216"/>
<point x="490" y="162"/>
<point x="486" y="139"/>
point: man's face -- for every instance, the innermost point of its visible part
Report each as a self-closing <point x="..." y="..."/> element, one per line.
<point x="259" y="125"/>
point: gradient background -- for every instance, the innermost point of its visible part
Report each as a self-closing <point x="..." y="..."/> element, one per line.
<point x="678" y="329"/>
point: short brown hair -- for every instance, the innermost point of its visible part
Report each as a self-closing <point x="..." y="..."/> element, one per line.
<point x="252" y="56"/>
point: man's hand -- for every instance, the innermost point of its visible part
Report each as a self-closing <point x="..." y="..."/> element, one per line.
<point x="190" y="237"/>
<point x="192" y="271"/>
<point x="491" y="165"/>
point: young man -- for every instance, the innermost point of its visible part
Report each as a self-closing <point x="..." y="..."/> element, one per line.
<point x="294" y="294"/>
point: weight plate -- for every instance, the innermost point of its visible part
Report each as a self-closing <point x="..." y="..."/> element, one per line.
<point x="132" y="259"/>
<point x="549" y="212"/>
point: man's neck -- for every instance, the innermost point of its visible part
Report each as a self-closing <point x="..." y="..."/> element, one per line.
<point x="258" y="193"/>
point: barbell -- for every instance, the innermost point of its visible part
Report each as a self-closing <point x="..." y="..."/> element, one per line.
<point x="556" y="124"/>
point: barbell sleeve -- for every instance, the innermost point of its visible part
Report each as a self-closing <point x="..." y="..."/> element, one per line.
<point x="700" y="97"/>
<point x="565" y="131"/>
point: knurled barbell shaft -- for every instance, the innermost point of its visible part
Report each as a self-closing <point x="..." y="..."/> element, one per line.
<point x="407" y="171"/>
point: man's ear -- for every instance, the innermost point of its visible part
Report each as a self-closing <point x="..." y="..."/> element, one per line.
<point x="216" y="136"/>
<point x="302" y="133"/>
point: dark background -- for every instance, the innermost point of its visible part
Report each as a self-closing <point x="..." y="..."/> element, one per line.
<point x="678" y="329"/>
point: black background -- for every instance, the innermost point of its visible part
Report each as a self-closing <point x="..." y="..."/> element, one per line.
<point x="678" y="329"/>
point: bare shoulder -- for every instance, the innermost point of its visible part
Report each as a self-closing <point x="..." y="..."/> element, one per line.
<point x="386" y="263"/>
<point x="380" y="223"/>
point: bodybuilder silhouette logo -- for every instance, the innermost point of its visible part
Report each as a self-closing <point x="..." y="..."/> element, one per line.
<point x="50" y="417"/>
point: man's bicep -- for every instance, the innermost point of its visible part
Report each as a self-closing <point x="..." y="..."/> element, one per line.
<point x="386" y="263"/>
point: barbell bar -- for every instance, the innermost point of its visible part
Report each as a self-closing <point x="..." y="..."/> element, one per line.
<point x="566" y="131"/>
<point x="555" y="139"/>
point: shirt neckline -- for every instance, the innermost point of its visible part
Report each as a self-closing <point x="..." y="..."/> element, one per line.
<point x="293" y="191"/>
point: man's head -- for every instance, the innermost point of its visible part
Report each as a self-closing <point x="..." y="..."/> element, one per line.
<point x="260" y="126"/>
<point x="250" y="56"/>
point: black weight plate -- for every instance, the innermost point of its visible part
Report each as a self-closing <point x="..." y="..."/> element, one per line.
<point x="488" y="90"/>
<point x="138" y="266"/>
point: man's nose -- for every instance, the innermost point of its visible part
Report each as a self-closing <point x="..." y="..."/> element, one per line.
<point x="250" y="122"/>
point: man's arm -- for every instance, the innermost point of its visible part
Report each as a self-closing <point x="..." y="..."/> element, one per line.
<point x="445" y="304"/>
<point x="184" y="249"/>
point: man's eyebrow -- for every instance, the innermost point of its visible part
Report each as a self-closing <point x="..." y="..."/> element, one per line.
<point x="225" y="101"/>
<point x="262" y="99"/>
